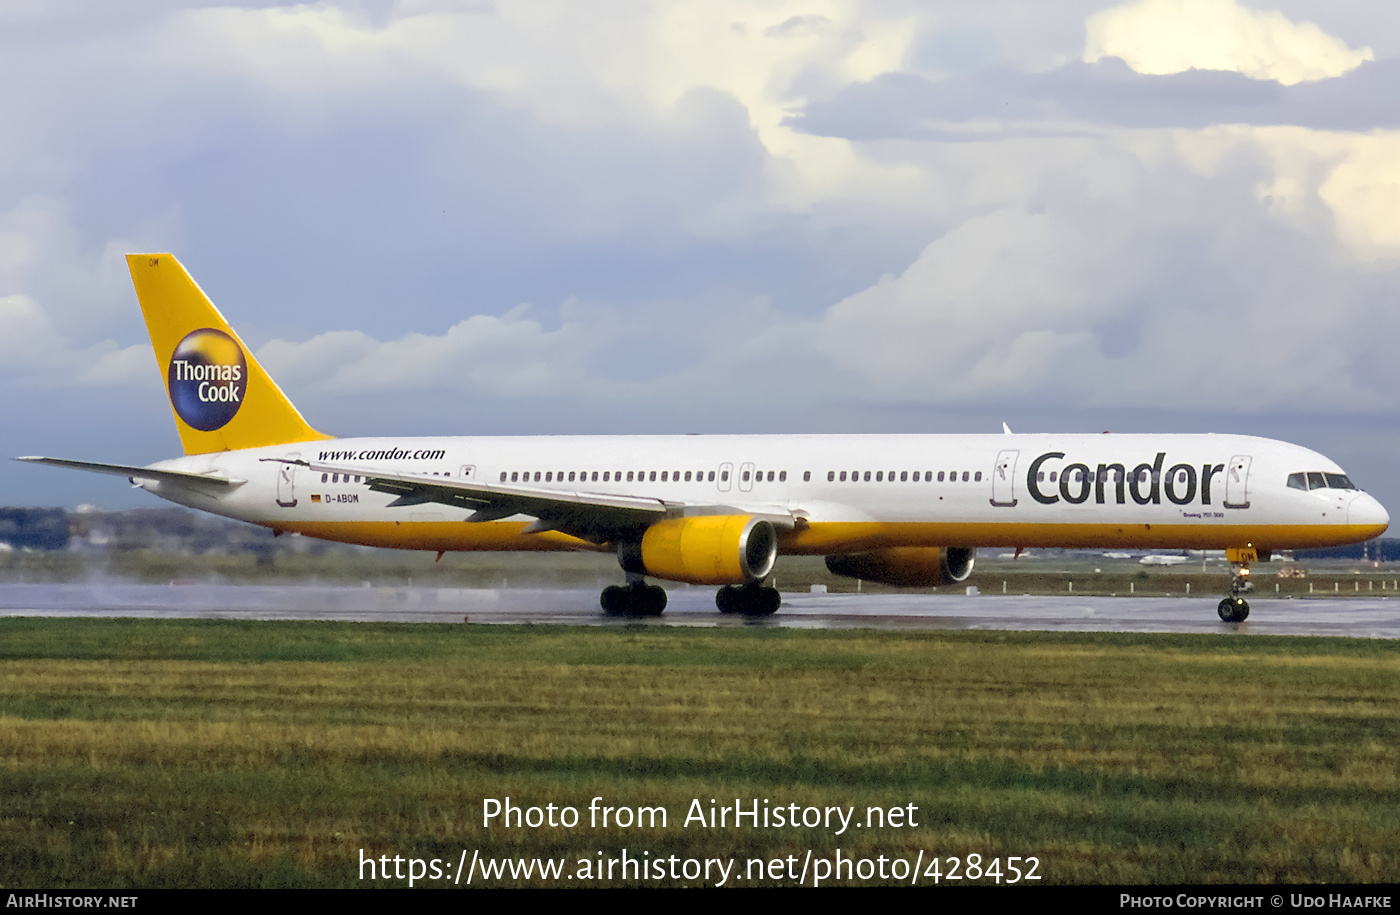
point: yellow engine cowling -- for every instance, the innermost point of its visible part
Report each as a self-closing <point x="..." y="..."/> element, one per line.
<point x="906" y="566"/>
<point x="710" y="549"/>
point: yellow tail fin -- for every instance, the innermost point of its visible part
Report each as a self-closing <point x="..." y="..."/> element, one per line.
<point x="222" y="399"/>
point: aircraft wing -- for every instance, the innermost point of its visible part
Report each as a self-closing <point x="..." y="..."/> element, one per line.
<point x="596" y="517"/>
<point x="134" y="473"/>
<point x="592" y="516"/>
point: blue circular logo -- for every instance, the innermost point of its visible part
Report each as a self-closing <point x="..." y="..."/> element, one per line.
<point x="207" y="379"/>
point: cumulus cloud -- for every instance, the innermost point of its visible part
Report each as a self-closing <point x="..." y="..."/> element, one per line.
<point x="511" y="356"/>
<point x="34" y="351"/>
<point x="1171" y="36"/>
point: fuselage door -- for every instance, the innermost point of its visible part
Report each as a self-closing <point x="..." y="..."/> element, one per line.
<point x="1237" y="481"/>
<point x="1004" y="480"/>
<point x="286" y="481"/>
<point x="746" y="477"/>
<point x="725" y="472"/>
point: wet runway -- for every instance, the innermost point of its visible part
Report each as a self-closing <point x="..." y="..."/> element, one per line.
<point x="1358" y="617"/>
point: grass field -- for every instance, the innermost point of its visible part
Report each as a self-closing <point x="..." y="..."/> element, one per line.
<point x="149" y="753"/>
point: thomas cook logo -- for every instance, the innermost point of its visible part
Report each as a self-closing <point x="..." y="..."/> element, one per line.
<point x="207" y="380"/>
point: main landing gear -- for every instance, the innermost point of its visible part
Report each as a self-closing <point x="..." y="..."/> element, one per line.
<point x="751" y="600"/>
<point x="1235" y="609"/>
<point x="637" y="598"/>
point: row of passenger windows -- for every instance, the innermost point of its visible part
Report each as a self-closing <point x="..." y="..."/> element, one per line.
<point x="904" y="476"/>
<point x="1305" y="481"/>
<point x="1314" y="480"/>
<point x="615" y="476"/>
<point x="1116" y="476"/>
<point x="758" y="476"/>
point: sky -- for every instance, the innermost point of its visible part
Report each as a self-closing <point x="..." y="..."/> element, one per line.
<point x="466" y="217"/>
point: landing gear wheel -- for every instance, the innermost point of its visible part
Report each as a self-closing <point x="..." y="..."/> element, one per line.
<point x="614" y="600"/>
<point x="651" y="600"/>
<point x="1233" y="610"/>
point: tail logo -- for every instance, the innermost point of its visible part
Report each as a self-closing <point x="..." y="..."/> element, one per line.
<point x="207" y="379"/>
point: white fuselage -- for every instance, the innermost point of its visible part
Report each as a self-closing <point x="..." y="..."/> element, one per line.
<point x="849" y="492"/>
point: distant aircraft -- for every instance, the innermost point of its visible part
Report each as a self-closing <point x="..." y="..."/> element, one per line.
<point x="1163" y="560"/>
<point x="905" y="510"/>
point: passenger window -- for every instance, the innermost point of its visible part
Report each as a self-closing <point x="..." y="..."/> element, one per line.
<point x="723" y="477"/>
<point x="503" y="476"/>
<point x="595" y="476"/>
<point x="977" y="478"/>
<point x="843" y="476"/>
<point x="549" y="477"/>
<point x="629" y="476"/>
<point x="325" y="478"/>
<point x="782" y="476"/>
<point x="770" y="476"/>
<point x="514" y="476"/>
<point x="867" y="476"/>
<point x="940" y="476"/>
<point x="928" y="476"/>
<point x="687" y="476"/>
<point x="1053" y="475"/>
<point x="663" y="476"/>
<point x="746" y="476"/>
<point x="537" y="476"/>
<point x="653" y="476"/>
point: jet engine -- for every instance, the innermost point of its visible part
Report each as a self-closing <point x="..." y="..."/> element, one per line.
<point x="706" y="550"/>
<point x="906" y="566"/>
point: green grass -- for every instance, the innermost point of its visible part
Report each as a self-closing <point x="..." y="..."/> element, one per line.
<point x="138" y="753"/>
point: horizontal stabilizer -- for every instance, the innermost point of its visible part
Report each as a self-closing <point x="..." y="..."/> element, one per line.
<point x="137" y="473"/>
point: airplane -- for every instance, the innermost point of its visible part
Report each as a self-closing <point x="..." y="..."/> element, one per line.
<point x="906" y="510"/>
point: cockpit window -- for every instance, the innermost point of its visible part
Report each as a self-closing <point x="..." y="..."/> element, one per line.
<point x="1315" y="480"/>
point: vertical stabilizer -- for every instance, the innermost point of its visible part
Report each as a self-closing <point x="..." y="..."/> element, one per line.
<point x="222" y="399"/>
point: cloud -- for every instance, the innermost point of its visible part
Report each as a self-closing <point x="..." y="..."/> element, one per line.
<point x="997" y="103"/>
<point x="34" y="352"/>
<point x="511" y="357"/>
<point x="1172" y="36"/>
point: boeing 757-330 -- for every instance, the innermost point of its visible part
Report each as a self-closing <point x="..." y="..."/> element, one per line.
<point x="906" y="510"/>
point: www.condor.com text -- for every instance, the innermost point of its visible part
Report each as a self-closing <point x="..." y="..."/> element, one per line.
<point x="808" y="869"/>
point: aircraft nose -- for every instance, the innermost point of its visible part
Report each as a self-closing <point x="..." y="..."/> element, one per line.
<point x="1365" y="510"/>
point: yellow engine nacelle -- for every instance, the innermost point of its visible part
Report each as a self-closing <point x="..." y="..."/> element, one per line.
<point x="710" y="549"/>
<point x="906" y="566"/>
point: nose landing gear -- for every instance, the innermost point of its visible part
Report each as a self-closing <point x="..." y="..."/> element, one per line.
<point x="1235" y="609"/>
